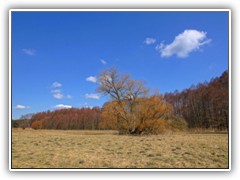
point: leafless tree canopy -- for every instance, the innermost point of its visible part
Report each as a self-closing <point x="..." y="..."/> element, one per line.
<point x="120" y="86"/>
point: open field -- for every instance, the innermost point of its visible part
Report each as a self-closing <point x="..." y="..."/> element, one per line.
<point x="106" y="149"/>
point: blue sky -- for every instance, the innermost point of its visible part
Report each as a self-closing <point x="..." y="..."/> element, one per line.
<point x="56" y="56"/>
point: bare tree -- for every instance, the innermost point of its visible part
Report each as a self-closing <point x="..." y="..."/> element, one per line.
<point x="120" y="86"/>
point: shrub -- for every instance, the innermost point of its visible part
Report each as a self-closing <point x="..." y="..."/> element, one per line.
<point x="178" y="123"/>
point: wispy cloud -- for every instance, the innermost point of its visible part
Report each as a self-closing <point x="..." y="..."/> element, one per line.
<point x="29" y="52"/>
<point x="62" y="106"/>
<point x="92" y="96"/>
<point x="91" y="79"/>
<point x="56" y="84"/>
<point x="149" y="41"/>
<point x="188" y="41"/>
<point x="103" y="61"/>
<point x="21" y="107"/>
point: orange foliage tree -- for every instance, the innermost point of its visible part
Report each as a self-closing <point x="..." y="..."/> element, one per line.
<point x="132" y="110"/>
<point x="150" y="115"/>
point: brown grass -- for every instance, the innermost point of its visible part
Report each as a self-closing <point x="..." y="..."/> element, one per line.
<point x="106" y="149"/>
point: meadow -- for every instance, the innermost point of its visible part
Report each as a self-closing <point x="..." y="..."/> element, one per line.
<point x="106" y="149"/>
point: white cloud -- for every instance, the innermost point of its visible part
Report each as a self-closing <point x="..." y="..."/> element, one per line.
<point x="29" y="52"/>
<point x="58" y="96"/>
<point x="149" y="41"/>
<point x="62" y="106"/>
<point x="92" y="96"/>
<point x="56" y="84"/>
<point x="160" y="46"/>
<point x="56" y="91"/>
<point x="184" y="43"/>
<point x="91" y="79"/>
<point x="103" y="61"/>
<point x="21" y="107"/>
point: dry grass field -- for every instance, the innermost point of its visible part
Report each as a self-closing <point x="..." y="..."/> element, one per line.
<point x="106" y="149"/>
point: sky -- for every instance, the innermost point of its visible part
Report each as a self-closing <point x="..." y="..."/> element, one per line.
<point x="57" y="56"/>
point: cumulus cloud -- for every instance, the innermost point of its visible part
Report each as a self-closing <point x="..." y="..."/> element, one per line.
<point x="183" y="44"/>
<point x="57" y="93"/>
<point x="149" y="41"/>
<point x="91" y="79"/>
<point x="21" y="107"/>
<point x="29" y="52"/>
<point x="56" y="84"/>
<point x="92" y="96"/>
<point x="62" y="106"/>
<point x="103" y="61"/>
<point x="58" y="96"/>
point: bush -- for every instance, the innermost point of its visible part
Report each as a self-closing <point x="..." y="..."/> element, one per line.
<point x="178" y="123"/>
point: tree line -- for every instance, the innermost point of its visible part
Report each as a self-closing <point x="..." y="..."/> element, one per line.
<point x="73" y="118"/>
<point x="205" y="105"/>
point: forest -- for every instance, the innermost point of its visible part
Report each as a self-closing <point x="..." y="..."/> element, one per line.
<point x="132" y="110"/>
<point x="205" y="105"/>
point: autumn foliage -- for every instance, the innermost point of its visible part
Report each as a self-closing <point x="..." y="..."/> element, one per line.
<point x="73" y="118"/>
<point x="37" y="124"/>
<point x="132" y="110"/>
<point x="152" y="115"/>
